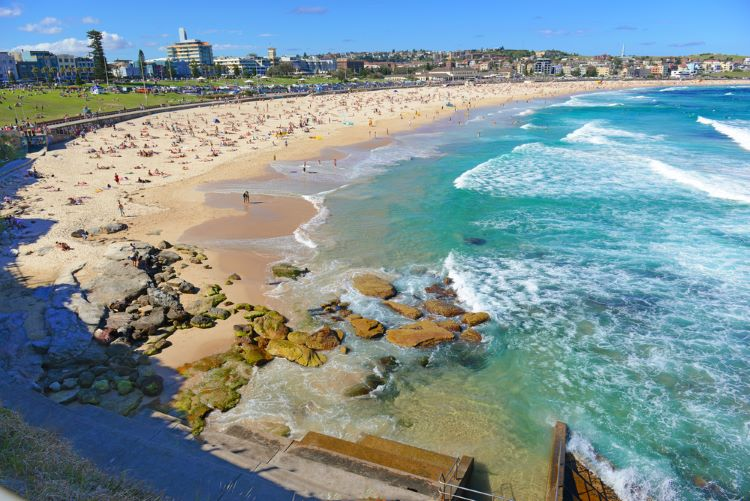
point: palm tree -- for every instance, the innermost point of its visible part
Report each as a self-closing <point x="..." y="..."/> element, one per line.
<point x="35" y="72"/>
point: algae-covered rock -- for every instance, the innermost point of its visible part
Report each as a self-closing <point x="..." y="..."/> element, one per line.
<point x="89" y="396"/>
<point x="419" y="335"/>
<point x="152" y="386"/>
<point x="324" y="338"/>
<point x="101" y="386"/>
<point x="243" y="330"/>
<point x="252" y="315"/>
<point x="253" y="355"/>
<point x="234" y="277"/>
<point x="218" y="313"/>
<point x="286" y="270"/>
<point x="125" y="405"/>
<point x="272" y="325"/>
<point x="124" y="386"/>
<point x="202" y="322"/>
<point x="404" y="309"/>
<point x="443" y="308"/>
<point x="293" y="352"/>
<point x="373" y="286"/>
<point x="298" y="337"/>
<point x="367" y="328"/>
<point x="243" y="307"/>
<point x="476" y="318"/>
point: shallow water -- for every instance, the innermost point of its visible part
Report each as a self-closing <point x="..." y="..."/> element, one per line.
<point x="614" y="258"/>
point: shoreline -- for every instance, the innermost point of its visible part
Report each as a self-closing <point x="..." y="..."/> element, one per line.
<point x="169" y="210"/>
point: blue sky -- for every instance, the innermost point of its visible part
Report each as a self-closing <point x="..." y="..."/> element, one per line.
<point x="238" y="27"/>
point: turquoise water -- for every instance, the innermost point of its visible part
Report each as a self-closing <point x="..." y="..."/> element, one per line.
<point x="616" y="268"/>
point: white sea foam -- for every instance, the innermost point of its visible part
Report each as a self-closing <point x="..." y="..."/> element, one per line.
<point x="578" y="102"/>
<point x="729" y="93"/>
<point x="530" y="126"/>
<point x="737" y="131"/>
<point x="525" y="113"/>
<point x="595" y="132"/>
<point x="302" y="233"/>
<point x="672" y="89"/>
<point x="694" y="181"/>
<point x="629" y="484"/>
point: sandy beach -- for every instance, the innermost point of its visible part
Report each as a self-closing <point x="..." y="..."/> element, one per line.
<point x="156" y="166"/>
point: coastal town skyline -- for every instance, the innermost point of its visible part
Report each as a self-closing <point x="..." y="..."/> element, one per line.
<point x="335" y="27"/>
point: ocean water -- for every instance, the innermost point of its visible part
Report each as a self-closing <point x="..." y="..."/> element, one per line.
<point x="615" y="266"/>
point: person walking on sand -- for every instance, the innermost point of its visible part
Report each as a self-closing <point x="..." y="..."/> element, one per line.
<point x="117" y="178"/>
<point x="120" y="206"/>
<point x="246" y="198"/>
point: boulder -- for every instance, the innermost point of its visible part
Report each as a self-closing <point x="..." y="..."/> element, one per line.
<point x="168" y="257"/>
<point x="234" y="277"/>
<point x="324" y="338"/>
<point x="372" y="285"/>
<point x="151" y="386"/>
<point x="367" y="328"/>
<point x="86" y="379"/>
<point x="254" y="355"/>
<point x="293" y="352"/>
<point x="371" y="382"/>
<point x="177" y="315"/>
<point x="69" y="336"/>
<point x="404" y="310"/>
<point x="243" y="330"/>
<point x="124" y="386"/>
<point x="114" y="228"/>
<point x="101" y="385"/>
<point x="298" y="337"/>
<point x="443" y="308"/>
<point x="440" y="291"/>
<point x="105" y="336"/>
<point x="471" y="336"/>
<point x="200" y="305"/>
<point x="286" y="270"/>
<point x="218" y="313"/>
<point x="158" y="297"/>
<point x="89" y="396"/>
<point x="472" y="319"/>
<point x="419" y="335"/>
<point x="64" y="396"/>
<point x="450" y="325"/>
<point x="115" y="281"/>
<point x="147" y="324"/>
<point x="164" y="245"/>
<point x="125" y="405"/>
<point x="121" y="251"/>
<point x="272" y="325"/>
<point x="202" y="322"/>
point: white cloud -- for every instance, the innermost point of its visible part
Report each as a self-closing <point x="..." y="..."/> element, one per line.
<point x="91" y="20"/>
<point x="309" y="10"/>
<point x="265" y="35"/>
<point x="111" y="42"/>
<point x="13" y="11"/>
<point x="231" y="46"/>
<point x="47" y="26"/>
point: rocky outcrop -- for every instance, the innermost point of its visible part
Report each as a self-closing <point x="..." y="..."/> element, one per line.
<point x="372" y="285"/>
<point x="271" y="325"/>
<point x="443" y="308"/>
<point x="324" y="338"/>
<point x="419" y="335"/>
<point x="286" y="270"/>
<point x="367" y="328"/>
<point x="477" y="318"/>
<point x="404" y="310"/>
<point x="296" y="353"/>
<point x="471" y="336"/>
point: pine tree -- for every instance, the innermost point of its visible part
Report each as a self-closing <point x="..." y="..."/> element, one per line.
<point x="97" y="53"/>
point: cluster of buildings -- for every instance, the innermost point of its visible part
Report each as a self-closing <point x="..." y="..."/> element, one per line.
<point x="42" y="65"/>
<point x="189" y="57"/>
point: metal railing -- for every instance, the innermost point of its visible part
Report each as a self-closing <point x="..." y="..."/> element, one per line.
<point x="449" y="491"/>
<point x="592" y="492"/>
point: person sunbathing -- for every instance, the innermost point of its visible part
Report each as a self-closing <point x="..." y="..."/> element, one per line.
<point x="63" y="246"/>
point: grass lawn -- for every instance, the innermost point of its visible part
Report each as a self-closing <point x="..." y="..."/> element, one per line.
<point x="732" y="74"/>
<point x="40" y="465"/>
<point x="51" y="104"/>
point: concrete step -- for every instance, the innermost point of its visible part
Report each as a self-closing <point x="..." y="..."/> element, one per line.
<point x="380" y="457"/>
<point x="337" y="461"/>
<point x="445" y="463"/>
